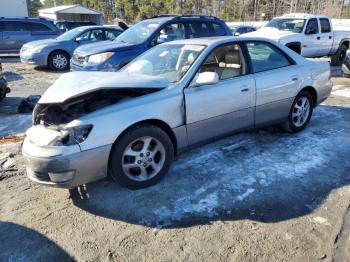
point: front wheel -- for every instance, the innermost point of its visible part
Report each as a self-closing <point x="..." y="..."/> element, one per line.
<point x="141" y="157"/>
<point x="59" y="61"/>
<point x="300" y="113"/>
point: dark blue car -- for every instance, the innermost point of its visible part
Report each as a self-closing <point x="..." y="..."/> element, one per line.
<point x="113" y="55"/>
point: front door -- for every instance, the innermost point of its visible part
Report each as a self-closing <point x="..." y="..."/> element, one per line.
<point x="217" y="109"/>
<point x="311" y="39"/>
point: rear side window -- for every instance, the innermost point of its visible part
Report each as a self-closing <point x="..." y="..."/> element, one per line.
<point x="325" y="25"/>
<point x="16" y="26"/>
<point x="112" y="34"/>
<point x="39" y="27"/>
<point x="198" y="29"/>
<point x="219" y="30"/>
<point x="265" y="56"/>
<point x="242" y="30"/>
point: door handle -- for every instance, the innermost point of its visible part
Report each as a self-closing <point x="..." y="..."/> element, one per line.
<point x="244" y="89"/>
<point x="295" y="78"/>
<point x="330" y="37"/>
<point x="318" y="38"/>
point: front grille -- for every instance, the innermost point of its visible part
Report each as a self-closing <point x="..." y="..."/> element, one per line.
<point x="42" y="176"/>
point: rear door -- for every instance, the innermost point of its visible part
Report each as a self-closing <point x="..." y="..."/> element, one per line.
<point x="311" y="40"/>
<point x="277" y="80"/>
<point x="41" y="31"/>
<point x="15" y="34"/>
<point x="326" y="36"/>
<point x="224" y="107"/>
<point x="198" y="29"/>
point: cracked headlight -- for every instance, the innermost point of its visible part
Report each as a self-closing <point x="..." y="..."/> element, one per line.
<point x="73" y="135"/>
<point x="99" y="58"/>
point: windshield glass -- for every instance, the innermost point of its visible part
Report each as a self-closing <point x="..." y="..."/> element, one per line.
<point x="287" y="24"/>
<point x="138" y="33"/>
<point x="168" y="61"/>
<point x="70" y="35"/>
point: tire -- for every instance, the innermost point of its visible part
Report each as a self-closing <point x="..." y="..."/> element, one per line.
<point x="59" y="61"/>
<point x="339" y="57"/>
<point x="298" y="118"/>
<point x="133" y="164"/>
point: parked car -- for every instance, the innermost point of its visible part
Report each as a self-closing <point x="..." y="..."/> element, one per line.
<point x="56" y="53"/>
<point x="174" y="96"/>
<point x="15" y="32"/>
<point x="242" y="29"/>
<point x="308" y="35"/>
<point x="111" y="56"/>
<point x="65" y="26"/>
<point x="4" y="89"/>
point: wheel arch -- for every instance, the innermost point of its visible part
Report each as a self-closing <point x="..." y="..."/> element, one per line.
<point x="313" y="93"/>
<point x="346" y="43"/>
<point x="155" y="122"/>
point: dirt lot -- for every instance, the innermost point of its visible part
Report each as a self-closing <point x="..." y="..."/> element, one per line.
<point x="259" y="196"/>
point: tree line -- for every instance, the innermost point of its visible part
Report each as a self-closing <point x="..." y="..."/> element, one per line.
<point x="230" y="10"/>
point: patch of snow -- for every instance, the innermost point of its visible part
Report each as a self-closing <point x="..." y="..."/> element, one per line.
<point x="342" y="92"/>
<point x="16" y="124"/>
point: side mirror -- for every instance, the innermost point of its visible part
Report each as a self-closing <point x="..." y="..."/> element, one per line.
<point x="205" y="78"/>
<point x="237" y="34"/>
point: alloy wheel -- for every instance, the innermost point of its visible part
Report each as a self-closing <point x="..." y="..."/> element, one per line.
<point x="301" y="112"/>
<point x="59" y="61"/>
<point x="143" y="158"/>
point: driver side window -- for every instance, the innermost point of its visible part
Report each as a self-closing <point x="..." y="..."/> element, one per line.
<point x="312" y="27"/>
<point x="227" y="61"/>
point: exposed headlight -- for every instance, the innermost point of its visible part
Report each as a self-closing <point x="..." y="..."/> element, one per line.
<point x="73" y="135"/>
<point x="99" y="58"/>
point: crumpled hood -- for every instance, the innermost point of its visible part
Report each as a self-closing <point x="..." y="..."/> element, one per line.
<point x="74" y="84"/>
<point x="270" y="32"/>
<point x="101" y="47"/>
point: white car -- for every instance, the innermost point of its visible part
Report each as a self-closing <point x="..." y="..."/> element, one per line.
<point x="174" y="96"/>
<point x="308" y="35"/>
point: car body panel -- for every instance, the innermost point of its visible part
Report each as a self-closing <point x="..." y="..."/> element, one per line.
<point x="193" y="114"/>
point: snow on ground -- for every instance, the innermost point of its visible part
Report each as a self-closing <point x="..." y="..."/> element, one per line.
<point x="222" y="176"/>
<point x="340" y="90"/>
<point x="14" y="124"/>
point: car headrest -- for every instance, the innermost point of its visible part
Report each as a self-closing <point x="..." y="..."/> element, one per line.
<point x="232" y="57"/>
<point x="190" y="58"/>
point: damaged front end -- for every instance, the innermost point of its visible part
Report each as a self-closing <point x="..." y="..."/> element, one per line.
<point x="55" y="116"/>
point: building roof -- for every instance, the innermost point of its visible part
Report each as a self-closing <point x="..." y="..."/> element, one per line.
<point x="69" y="9"/>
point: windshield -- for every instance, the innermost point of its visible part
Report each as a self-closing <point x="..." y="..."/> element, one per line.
<point x="138" y="33"/>
<point x="287" y="24"/>
<point x="72" y="34"/>
<point x="168" y="61"/>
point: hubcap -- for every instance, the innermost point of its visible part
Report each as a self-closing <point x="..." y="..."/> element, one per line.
<point x="143" y="158"/>
<point x="59" y="61"/>
<point x="301" y="112"/>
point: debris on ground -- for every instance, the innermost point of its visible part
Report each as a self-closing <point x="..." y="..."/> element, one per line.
<point x="27" y="105"/>
<point x="11" y="138"/>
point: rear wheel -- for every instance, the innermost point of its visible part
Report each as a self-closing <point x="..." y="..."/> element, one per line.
<point x="59" y="61"/>
<point x="339" y="57"/>
<point x="300" y="113"/>
<point x="141" y="157"/>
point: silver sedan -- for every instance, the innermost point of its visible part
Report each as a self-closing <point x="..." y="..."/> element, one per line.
<point x="131" y="123"/>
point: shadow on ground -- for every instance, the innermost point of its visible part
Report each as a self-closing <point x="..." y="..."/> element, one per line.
<point x="19" y="243"/>
<point x="266" y="176"/>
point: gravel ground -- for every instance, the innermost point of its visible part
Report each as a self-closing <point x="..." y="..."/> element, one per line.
<point x="259" y="196"/>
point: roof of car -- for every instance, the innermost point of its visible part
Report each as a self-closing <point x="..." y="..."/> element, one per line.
<point x="165" y="18"/>
<point x="214" y="40"/>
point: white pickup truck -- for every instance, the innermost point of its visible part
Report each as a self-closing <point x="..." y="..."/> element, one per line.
<point x="308" y="35"/>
